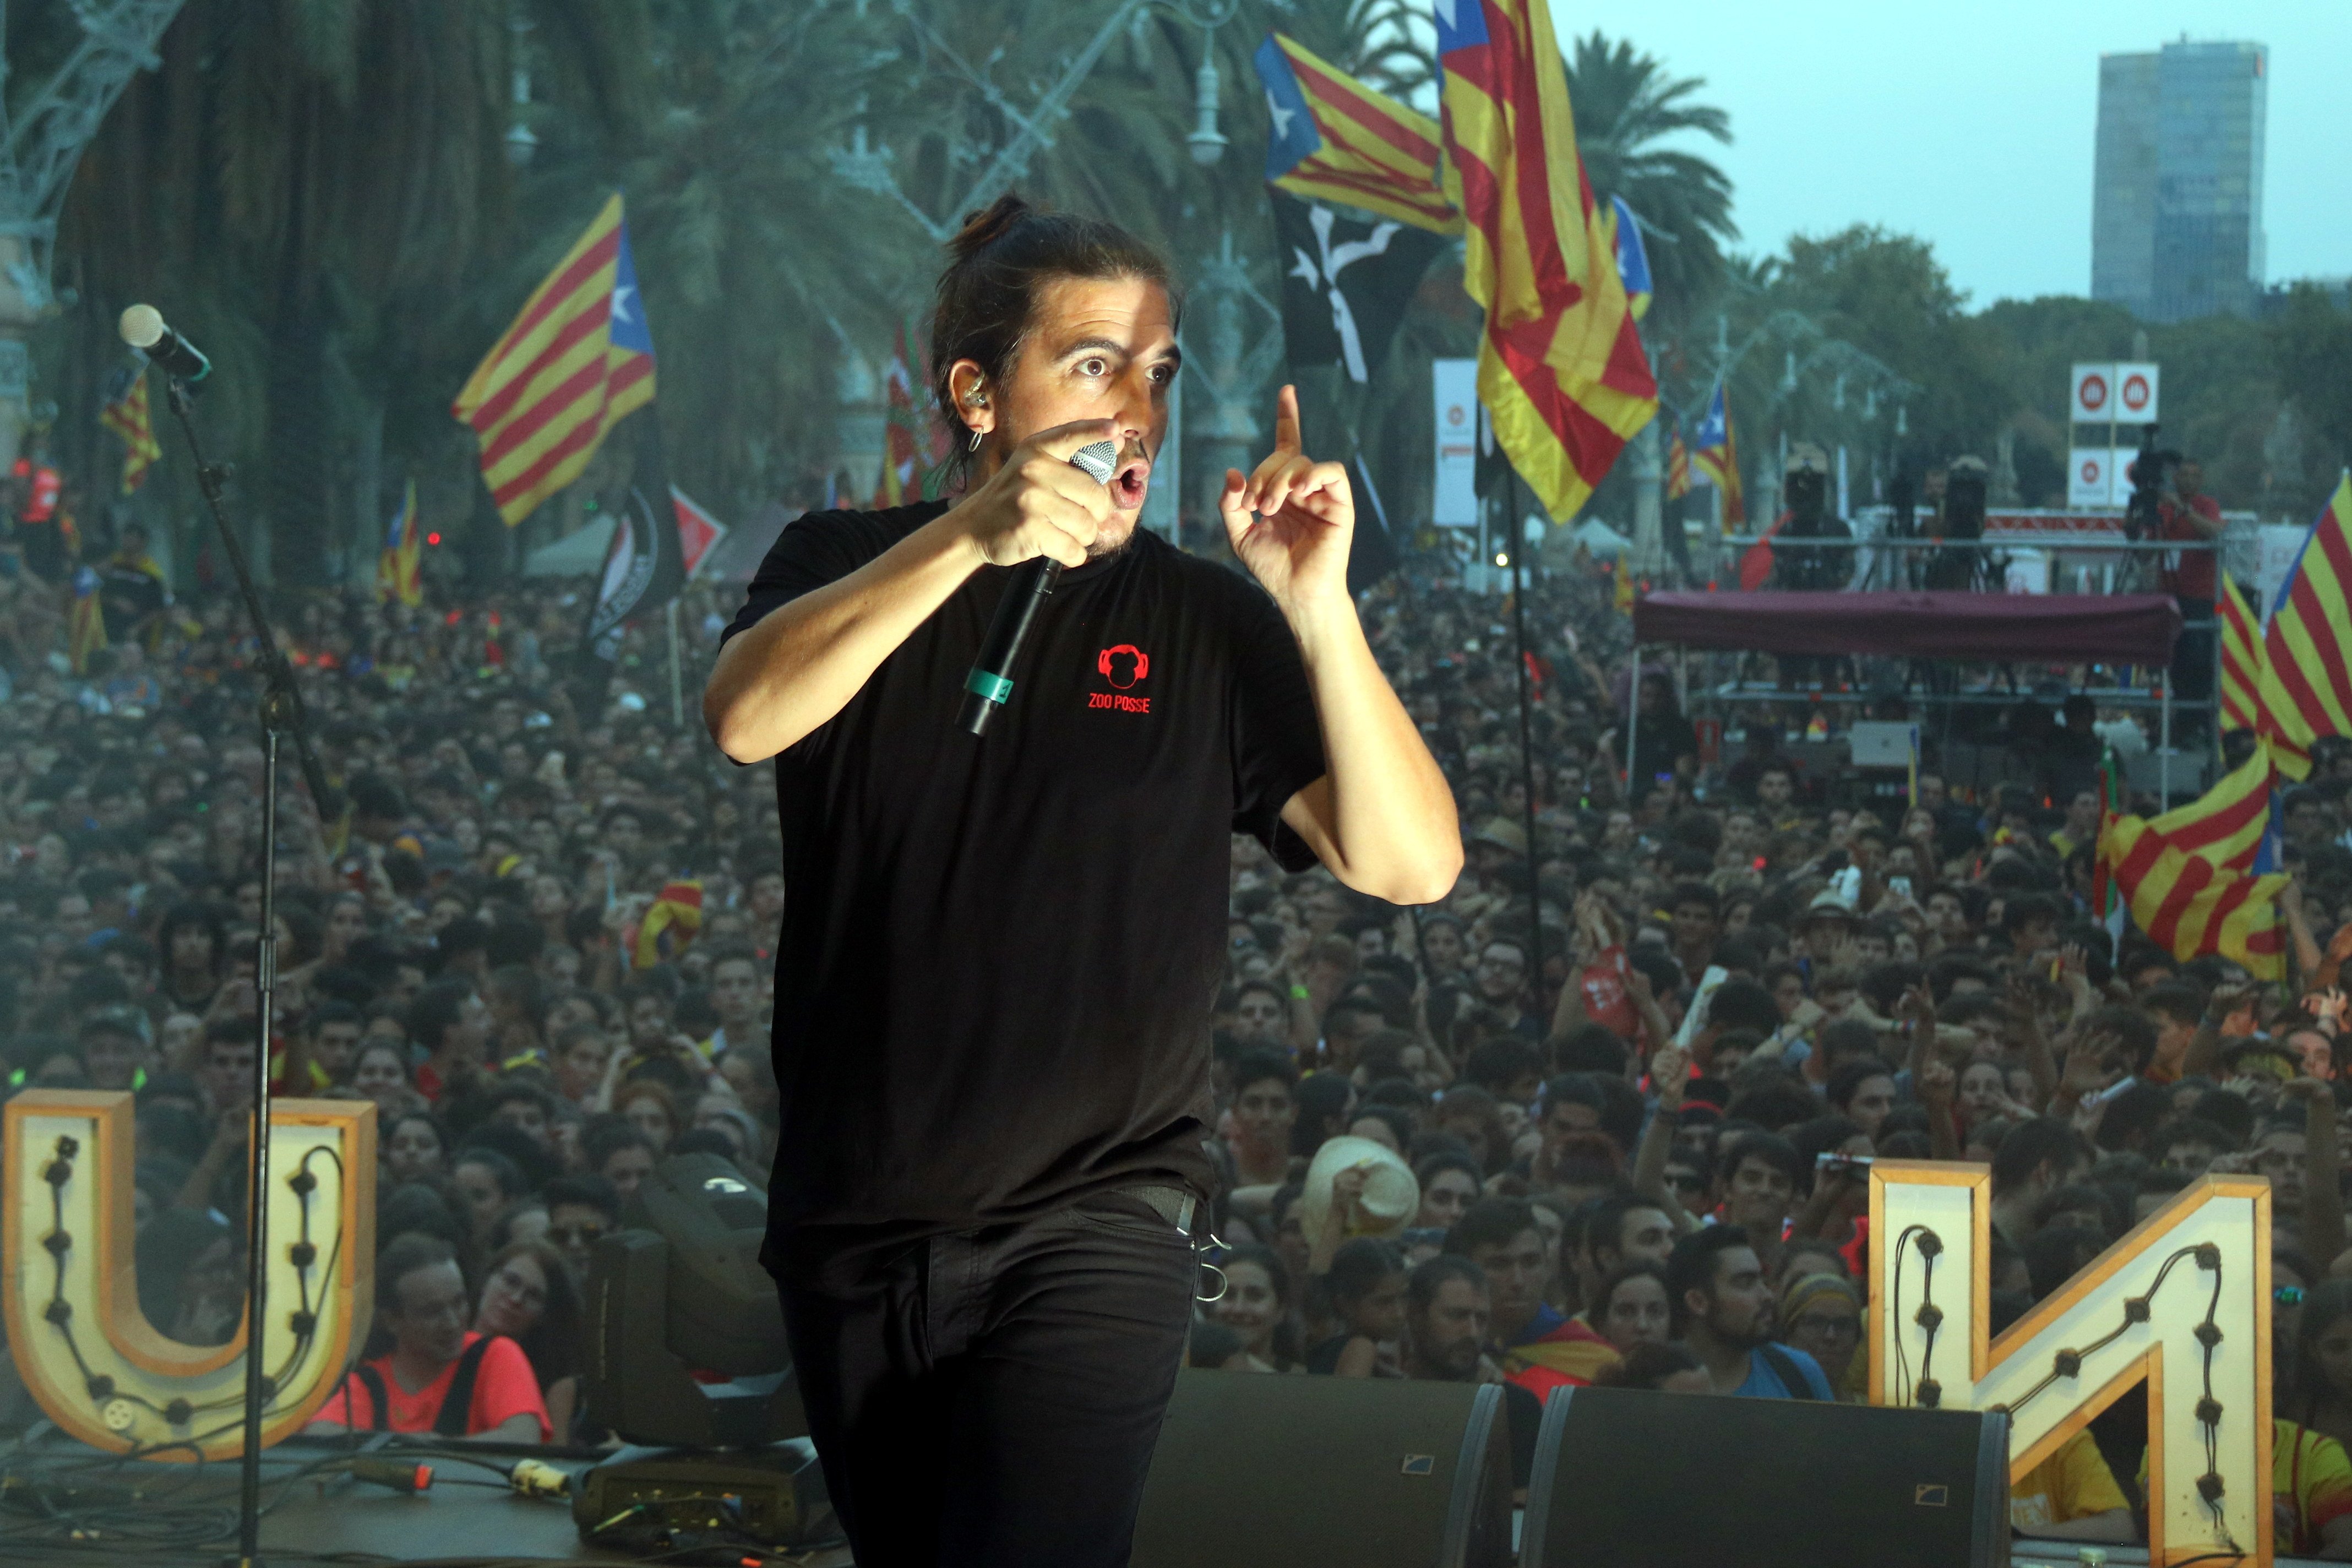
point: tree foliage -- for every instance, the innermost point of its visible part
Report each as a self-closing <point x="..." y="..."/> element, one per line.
<point x="321" y="192"/>
<point x="1628" y="109"/>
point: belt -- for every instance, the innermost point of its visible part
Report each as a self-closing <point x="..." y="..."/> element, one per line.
<point x="1175" y="1205"/>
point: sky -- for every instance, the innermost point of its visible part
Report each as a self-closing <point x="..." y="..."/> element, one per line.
<point x="1972" y="126"/>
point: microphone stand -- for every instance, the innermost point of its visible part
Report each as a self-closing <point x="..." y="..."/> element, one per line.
<point x="281" y="715"/>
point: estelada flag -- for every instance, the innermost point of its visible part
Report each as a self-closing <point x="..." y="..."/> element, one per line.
<point x="2253" y="697"/>
<point x="2310" y="634"/>
<point x="1716" y="454"/>
<point x="127" y="414"/>
<point x="397" y="573"/>
<point x="1332" y="139"/>
<point x="1633" y="256"/>
<point x="1561" y="365"/>
<point x="574" y="364"/>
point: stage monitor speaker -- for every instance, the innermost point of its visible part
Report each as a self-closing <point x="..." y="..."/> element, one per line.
<point x="1636" y="1479"/>
<point x="1291" y="1472"/>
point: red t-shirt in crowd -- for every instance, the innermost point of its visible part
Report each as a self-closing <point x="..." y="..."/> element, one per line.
<point x="2190" y="573"/>
<point x="41" y="493"/>
<point x="505" y="1386"/>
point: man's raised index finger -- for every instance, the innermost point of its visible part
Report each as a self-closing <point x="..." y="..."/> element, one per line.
<point x="1285" y="419"/>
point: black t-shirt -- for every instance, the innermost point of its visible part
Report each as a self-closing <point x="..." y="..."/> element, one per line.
<point x="999" y="954"/>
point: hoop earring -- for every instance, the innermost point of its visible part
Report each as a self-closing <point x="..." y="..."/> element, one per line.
<point x="974" y="445"/>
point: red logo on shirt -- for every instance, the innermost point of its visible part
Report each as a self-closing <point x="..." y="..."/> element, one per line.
<point x="1122" y="666"/>
<point x="1125" y="660"/>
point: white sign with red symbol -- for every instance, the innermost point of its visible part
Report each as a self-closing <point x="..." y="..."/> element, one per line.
<point x="2092" y="478"/>
<point x="2094" y="401"/>
<point x="1453" y="382"/>
<point x="2121" y="394"/>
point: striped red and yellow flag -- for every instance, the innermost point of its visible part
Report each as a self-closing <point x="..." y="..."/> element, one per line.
<point x="128" y="415"/>
<point x="1335" y="139"/>
<point x="2189" y="905"/>
<point x="1678" y="468"/>
<point x="2242" y="660"/>
<point x="1560" y="366"/>
<point x="677" y="912"/>
<point x="1717" y="457"/>
<point x="2310" y="635"/>
<point x="577" y="359"/>
<point x="2225" y="823"/>
<point x="2252" y="696"/>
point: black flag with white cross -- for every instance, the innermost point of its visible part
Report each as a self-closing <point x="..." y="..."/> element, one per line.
<point x="1347" y="277"/>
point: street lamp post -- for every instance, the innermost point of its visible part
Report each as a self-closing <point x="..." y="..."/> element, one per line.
<point x="868" y="167"/>
<point x="1208" y="144"/>
<point x="1234" y="369"/>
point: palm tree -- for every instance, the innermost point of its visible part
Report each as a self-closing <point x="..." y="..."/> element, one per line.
<point x="1626" y="108"/>
<point x="310" y="185"/>
<point x="321" y="192"/>
<point x="758" y="265"/>
<point x="1387" y="44"/>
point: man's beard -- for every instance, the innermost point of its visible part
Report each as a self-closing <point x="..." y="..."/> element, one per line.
<point x="1758" y="1332"/>
<point x="1457" y="1361"/>
<point x="1098" y="551"/>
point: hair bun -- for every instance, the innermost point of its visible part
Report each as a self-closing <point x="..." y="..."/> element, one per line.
<point x="983" y="228"/>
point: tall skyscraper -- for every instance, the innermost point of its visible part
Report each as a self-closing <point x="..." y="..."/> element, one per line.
<point x="2123" y="190"/>
<point x="2177" y="208"/>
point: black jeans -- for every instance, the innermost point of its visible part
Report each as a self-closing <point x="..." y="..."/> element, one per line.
<point x="992" y="1397"/>
<point x="2192" y="656"/>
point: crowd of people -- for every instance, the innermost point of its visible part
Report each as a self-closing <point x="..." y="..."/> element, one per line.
<point x="1473" y="1141"/>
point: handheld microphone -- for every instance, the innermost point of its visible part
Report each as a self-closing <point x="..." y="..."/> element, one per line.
<point x="142" y="327"/>
<point x="989" y="684"/>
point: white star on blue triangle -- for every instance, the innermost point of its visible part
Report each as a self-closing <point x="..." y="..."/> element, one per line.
<point x="627" y="326"/>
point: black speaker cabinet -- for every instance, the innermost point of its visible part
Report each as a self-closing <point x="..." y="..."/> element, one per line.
<point x="1265" y="1471"/>
<point x="1629" y="1479"/>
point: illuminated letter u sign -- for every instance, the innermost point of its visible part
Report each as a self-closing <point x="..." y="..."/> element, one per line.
<point x="98" y="1369"/>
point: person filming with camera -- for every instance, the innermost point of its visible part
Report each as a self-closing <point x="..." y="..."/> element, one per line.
<point x="2187" y="515"/>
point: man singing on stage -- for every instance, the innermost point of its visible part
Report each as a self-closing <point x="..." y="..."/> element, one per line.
<point x="999" y="954"/>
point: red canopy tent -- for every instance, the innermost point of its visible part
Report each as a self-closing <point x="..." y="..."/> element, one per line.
<point x="2069" y="628"/>
<point x="2056" y="628"/>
